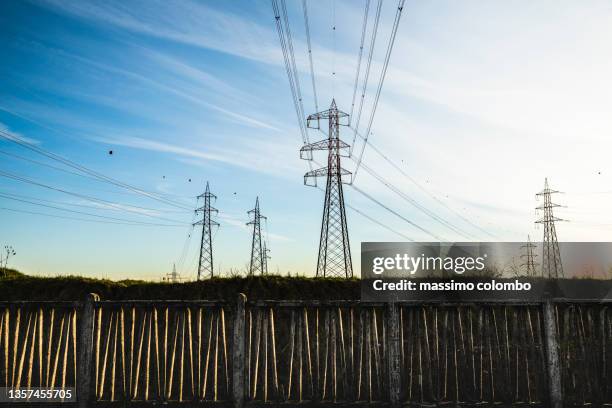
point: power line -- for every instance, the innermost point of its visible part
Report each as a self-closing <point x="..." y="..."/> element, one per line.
<point x="85" y="197"/>
<point x="423" y="189"/>
<point x="74" y="173"/>
<point x="86" y="219"/>
<point x="88" y="206"/>
<point x="396" y="213"/>
<point x="398" y="15"/>
<point x="24" y="143"/>
<point x="375" y="221"/>
<point x="289" y="59"/>
<point x="367" y="71"/>
<point x="333" y="10"/>
<point x="415" y="203"/>
<point x="312" y="74"/>
<point x="16" y="156"/>
<point x="363" y="33"/>
<point x="85" y="213"/>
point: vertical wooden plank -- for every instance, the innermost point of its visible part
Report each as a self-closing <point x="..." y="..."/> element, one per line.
<point x="265" y="356"/>
<point x="40" y="347"/>
<point x="208" y="346"/>
<point x="199" y="392"/>
<point x="114" y="360"/>
<point x="393" y="353"/>
<point x="238" y="391"/>
<point x="85" y="350"/>
<point x="49" y="346"/>
<point x="555" y="392"/>
<point x="308" y="356"/>
<point x="291" y="353"/>
<point x="123" y="377"/>
<point x="6" y="315"/>
<point x="360" y="342"/>
<point x="148" y="357"/>
<point x="102" y="377"/>
<point x="299" y="354"/>
<point x="225" y="354"/>
<point x="136" y="374"/>
<point x="274" y="359"/>
<point x="17" y="384"/>
<point x="190" y="343"/>
<point x="172" y="356"/>
<point x="182" y="361"/>
<point x="32" y="350"/>
<point x="66" y="346"/>
<point x="15" y="345"/>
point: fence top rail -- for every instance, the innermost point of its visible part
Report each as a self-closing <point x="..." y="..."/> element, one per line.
<point x="155" y="302"/>
<point x="438" y="302"/>
<point x="300" y="303"/>
<point x="54" y="303"/>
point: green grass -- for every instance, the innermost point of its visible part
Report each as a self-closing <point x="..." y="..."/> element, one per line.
<point x="17" y="286"/>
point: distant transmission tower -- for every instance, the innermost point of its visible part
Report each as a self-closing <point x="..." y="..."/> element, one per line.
<point x="174" y="276"/>
<point x="334" y="249"/>
<point x="266" y="252"/>
<point x="258" y="255"/>
<point x="205" y="266"/>
<point x="551" y="256"/>
<point x="529" y="256"/>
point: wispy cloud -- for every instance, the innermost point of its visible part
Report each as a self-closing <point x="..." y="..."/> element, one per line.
<point x="257" y="157"/>
<point x="182" y="21"/>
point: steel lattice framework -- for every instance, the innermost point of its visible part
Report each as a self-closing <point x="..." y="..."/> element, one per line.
<point x="258" y="262"/>
<point x="205" y="266"/>
<point x="334" y="249"/>
<point x="529" y="256"/>
<point x="551" y="256"/>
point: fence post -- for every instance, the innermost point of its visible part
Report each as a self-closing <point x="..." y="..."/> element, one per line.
<point x="553" y="367"/>
<point x="393" y="339"/>
<point x="84" y="383"/>
<point x="238" y="354"/>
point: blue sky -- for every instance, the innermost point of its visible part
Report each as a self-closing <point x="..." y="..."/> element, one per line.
<point x="481" y="102"/>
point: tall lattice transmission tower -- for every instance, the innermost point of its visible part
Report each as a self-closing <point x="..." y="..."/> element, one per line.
<point x="334" y="249"/>
<point x="529" y="257"/>
<point x="258" y="254"/>
<point x="551" y="256"/>
<point x="205" y="266"/>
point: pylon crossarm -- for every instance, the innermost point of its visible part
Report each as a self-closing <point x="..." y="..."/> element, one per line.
<point x="324" y="144"/>
<point x="310" y="178"/>
<point x="326" y="114"/>
<point x="212" y="209"/>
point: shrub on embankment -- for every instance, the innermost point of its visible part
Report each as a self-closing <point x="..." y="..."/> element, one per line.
<point x="23" y="287"/>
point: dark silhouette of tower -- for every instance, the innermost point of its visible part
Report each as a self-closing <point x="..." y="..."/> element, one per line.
<point x="334" y="249"/>
<point x="205" y="266"/>
<point x="551" y="256"/>
<point x="172" y="277"/>
<point x="529" y="256"/>
<point x="258" y="254"/>
<point x="266" y="252"/>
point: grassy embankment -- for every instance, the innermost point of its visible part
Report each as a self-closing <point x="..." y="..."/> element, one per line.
<point x="17" y="286"/>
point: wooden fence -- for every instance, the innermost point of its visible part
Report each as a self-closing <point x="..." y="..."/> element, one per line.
<point x="118" y="353"/>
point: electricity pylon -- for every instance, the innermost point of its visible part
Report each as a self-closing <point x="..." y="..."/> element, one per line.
<point x="258" y="254"/>
<point x="266" y="252"/>
<point x="205" y="266"/>
<point x="172" y="277"/>
<point x="334" y="249"/>
<point x="529" y="256"/>
<point x="551" y="256"/>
